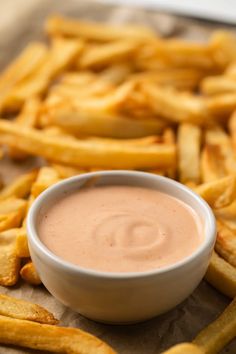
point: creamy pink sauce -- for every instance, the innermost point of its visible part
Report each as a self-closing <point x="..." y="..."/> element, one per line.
<point x="120" y="229"/>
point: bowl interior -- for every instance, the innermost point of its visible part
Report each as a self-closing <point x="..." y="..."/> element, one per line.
<point x="141" y="179"/>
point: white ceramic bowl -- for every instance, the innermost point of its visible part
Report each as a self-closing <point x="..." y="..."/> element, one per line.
<point x="121" y="297"/>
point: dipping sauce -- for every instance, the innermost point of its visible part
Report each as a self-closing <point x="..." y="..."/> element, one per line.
<point x="120" y="229"/>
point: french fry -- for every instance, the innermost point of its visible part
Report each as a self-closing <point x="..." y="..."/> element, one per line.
<point x="96" y="56"/>
<point x="50" y="338"/>
<point x="188" y="148"/>
<point x="67" y="171"/>
<point x="222" y="44"/>
<point x="25" y="310"/>
<point x="227" y="215"/>
<point x="116" y="73"/>
<point x="60" y="57"/>
<point x="175" y="106"/>
<point x="1" y="183"/>
<point x="168" y="138"/>
<point x="29" y="274"/>
<point x="98" y="88"/>
<point x="226" y="243"/>
<point x="178" y="78"/>
<point x="62" y="26"/>
<point x="84" y="153"/>
<point x="221" y="105"/>
<point x="219" y="193"/>
<point x="27" y="117"/>
<point x="1" y="153"/>
<point x="79" y="79"/>
<point x="184" y="348"/>
<point x="20" y="187"/>
<point x="30" y="202"/>
<point x="9" y="260"/>
<point x="175" y="53"/>
<point x="214" y="85"/>
<point x="222" y="275"/>
<point x="220" y="332"/>
<point x="230" y="71"/>
<point x="12" y="212"/>
<point x="212" y="163"/>
<point x="185" y="54"/>
<point x="22" y="248"/>
<point x="47" y="176"/>
<point x="232" y="130"/>
<point x="54" y="130"/>
<point x="26" y="64"/>
<point x="103" y="124"/>
<point x="145" y="141"/>
<point x="217" y="137"/>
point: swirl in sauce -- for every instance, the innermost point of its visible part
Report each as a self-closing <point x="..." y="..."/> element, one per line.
<point x="120" y="229"/>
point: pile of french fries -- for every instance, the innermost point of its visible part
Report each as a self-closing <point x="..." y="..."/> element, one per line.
<point x="98" y="97"/>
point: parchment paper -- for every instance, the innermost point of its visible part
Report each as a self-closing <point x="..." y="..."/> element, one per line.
<point x="205" y="304"/>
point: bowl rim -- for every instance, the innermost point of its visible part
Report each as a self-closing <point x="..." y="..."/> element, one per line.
<point x="207" y="243"/>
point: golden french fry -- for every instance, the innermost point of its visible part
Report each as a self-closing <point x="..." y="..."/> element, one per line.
<point x="220" y="332"/>
<point x="212" y="163"/>
<point x="184" y="348"/>
<point x="222" y="46"/>
<point x="46" y="177"/>
<point x="67" y="171"/>
<point x="63" y="26"/>
<point x="232" y="130"/>
<point x="226" y="243"/>
<point x="79" y="79"/>
<point x="9" y="260"/>
<point x="85" y="153"/>
<point x="213" y="85"/>
<point x="178" y="78"/>
<point x="50" y="338"/>
<point x="108" y="103"/>
<point x="20" y="187"/>
<point x="218" y="193"/>
<point x="222" y="275"/>
<point x="113" y="75"/>
<point x="103" y="124"/>
<point x="158" y="172"/>
<point x="145" y="141"/>
<point x="217" y="137"/>
<point x="12" y="212"/>
<point x="231" y="70"/>
<point x="54" y="130"/>
<point x="174" y="105"/>
<point x="1" y="154"/>
<point x="22" y="248"/>
<point x="25" y="310"/>
<point x="175" y="53"/>
<point x="1" y="183"/>
<point x="99" y="55"/>
<point x="26" y="64"/>
<point x="29" y="274"/>
<point x="27" y="117"/>
<point x="168" y="138"/>
<point x="98" y="88"/>
<point x="185" y="54"/>
<point x="227" y="215"/>
<point x="188" y="148"/>
<point x="116" y="73"/>
<point x="60" y="57"/>
<point x="30" y="201"/>
<point x="221" y="105"/>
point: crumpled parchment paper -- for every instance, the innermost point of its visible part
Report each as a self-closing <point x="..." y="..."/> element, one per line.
<point x="205" y="304"/>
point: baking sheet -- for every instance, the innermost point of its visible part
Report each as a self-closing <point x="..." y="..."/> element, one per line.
<point x="205" y="304"/>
